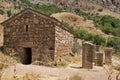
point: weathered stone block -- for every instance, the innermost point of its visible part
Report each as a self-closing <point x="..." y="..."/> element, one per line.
<point x="99" y="59"/>
<point x="108" y="56"/>
<point x="87" y="55"/>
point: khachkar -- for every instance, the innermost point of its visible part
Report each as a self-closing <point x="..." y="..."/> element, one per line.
<point x="99" y="59"/>
<point x="108" y="56"/>
<point x="87" y="55"/>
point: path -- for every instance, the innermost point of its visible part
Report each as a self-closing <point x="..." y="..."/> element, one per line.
<point x="98" y="73"/>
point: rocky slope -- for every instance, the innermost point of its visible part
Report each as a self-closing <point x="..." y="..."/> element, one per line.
<point x="113" y="5"/>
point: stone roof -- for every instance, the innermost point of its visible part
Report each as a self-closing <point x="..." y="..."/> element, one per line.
<point x="39" y="14"/>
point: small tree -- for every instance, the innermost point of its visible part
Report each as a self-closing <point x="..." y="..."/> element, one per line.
<point x="9" y="13"/>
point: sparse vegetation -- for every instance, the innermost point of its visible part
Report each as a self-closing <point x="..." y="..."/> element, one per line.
<point x="76" y="47"/>
<point x="62" y="63"/>
<point x="82" y="34"/>
<point x="100" y="10"/>
<point x="47" y="9"/>
<point x="1" y="12"/>
<point x="31" y="76"/>
<point x="114" y="42"/>
<point x="9" y="13"/>
<point x="108" y="24"/>
<point x="5" y="61"/>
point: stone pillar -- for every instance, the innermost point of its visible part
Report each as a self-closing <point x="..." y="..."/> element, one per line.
<point x="99" y="59"/>
<point x="97" y="48"/>
<point x="94" y="52"/>
<point x="108" y="56"/>
<point x="87" y="55"/>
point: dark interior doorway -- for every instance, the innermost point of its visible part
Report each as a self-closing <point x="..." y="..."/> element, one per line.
<point x="27" y="59"/>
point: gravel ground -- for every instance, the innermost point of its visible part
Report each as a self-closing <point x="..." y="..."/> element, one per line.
<point x="97" y="73"/>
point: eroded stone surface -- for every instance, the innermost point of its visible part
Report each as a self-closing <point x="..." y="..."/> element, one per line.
<point x="108" y="56"/>
<point x="87" y="55"/>
<point x="99" y="59"/>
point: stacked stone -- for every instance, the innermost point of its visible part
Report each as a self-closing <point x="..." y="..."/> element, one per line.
<point x="108" y="56"/>
<point x="45" y="36"/>
<point x="87" y="55"/>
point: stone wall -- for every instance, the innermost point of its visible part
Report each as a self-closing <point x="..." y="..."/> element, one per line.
<point x="30" y="31"/>
<point x="63" y="42"/>
<point x="42" y="34"/>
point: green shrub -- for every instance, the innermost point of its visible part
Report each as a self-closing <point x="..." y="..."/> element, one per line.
<point x="108" y="24"/>
<point x="114" y="42"/>
<point x="99" y="40"/>
<point x="68" y="26"/>
<point x="9" y="13"/>
<point x="1" y="12"/>
<point x="116" y="31"/>
<point x="100" y="10"/>
<point x="47" y="9"/>
<point x="82" y="34"/>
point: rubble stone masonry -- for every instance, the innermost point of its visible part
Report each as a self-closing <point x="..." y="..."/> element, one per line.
<point x="45" y="36"/>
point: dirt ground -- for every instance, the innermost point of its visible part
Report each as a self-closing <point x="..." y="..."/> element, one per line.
<point x="97" y="73"/>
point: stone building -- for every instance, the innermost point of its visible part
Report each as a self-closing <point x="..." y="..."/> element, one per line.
<point x="36" y="37"/>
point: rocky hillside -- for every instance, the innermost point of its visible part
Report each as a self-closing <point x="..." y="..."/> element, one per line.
<point x="113" y="5"/>
<point x="79" y="22"/>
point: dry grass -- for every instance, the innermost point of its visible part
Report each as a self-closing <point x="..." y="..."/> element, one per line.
<point x="1" y="35"/>
<point x="93" y="9"/>
<point x="79" y="22"/>
<point x="73" y="59"/>
<point x="76" y="77"/>
<point x="73" y="19"/>
<point x="5" y="61"/>
<point x="26" y="77"/>
<point x="40" y="77"/>
<point x="68" y="60"/>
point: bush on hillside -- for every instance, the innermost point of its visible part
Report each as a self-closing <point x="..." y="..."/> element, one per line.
<point x="114" y="42"/>
<point x="100" y="10"/>
<point x="1" y="12"/>
<point x="47" y="9"/>
<point x="9" y="13"/>
<point x="82" y="34"/>
<point x="108" y="24"/>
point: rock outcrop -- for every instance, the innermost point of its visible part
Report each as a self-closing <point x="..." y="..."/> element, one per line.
<point x="113" y="5"/>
